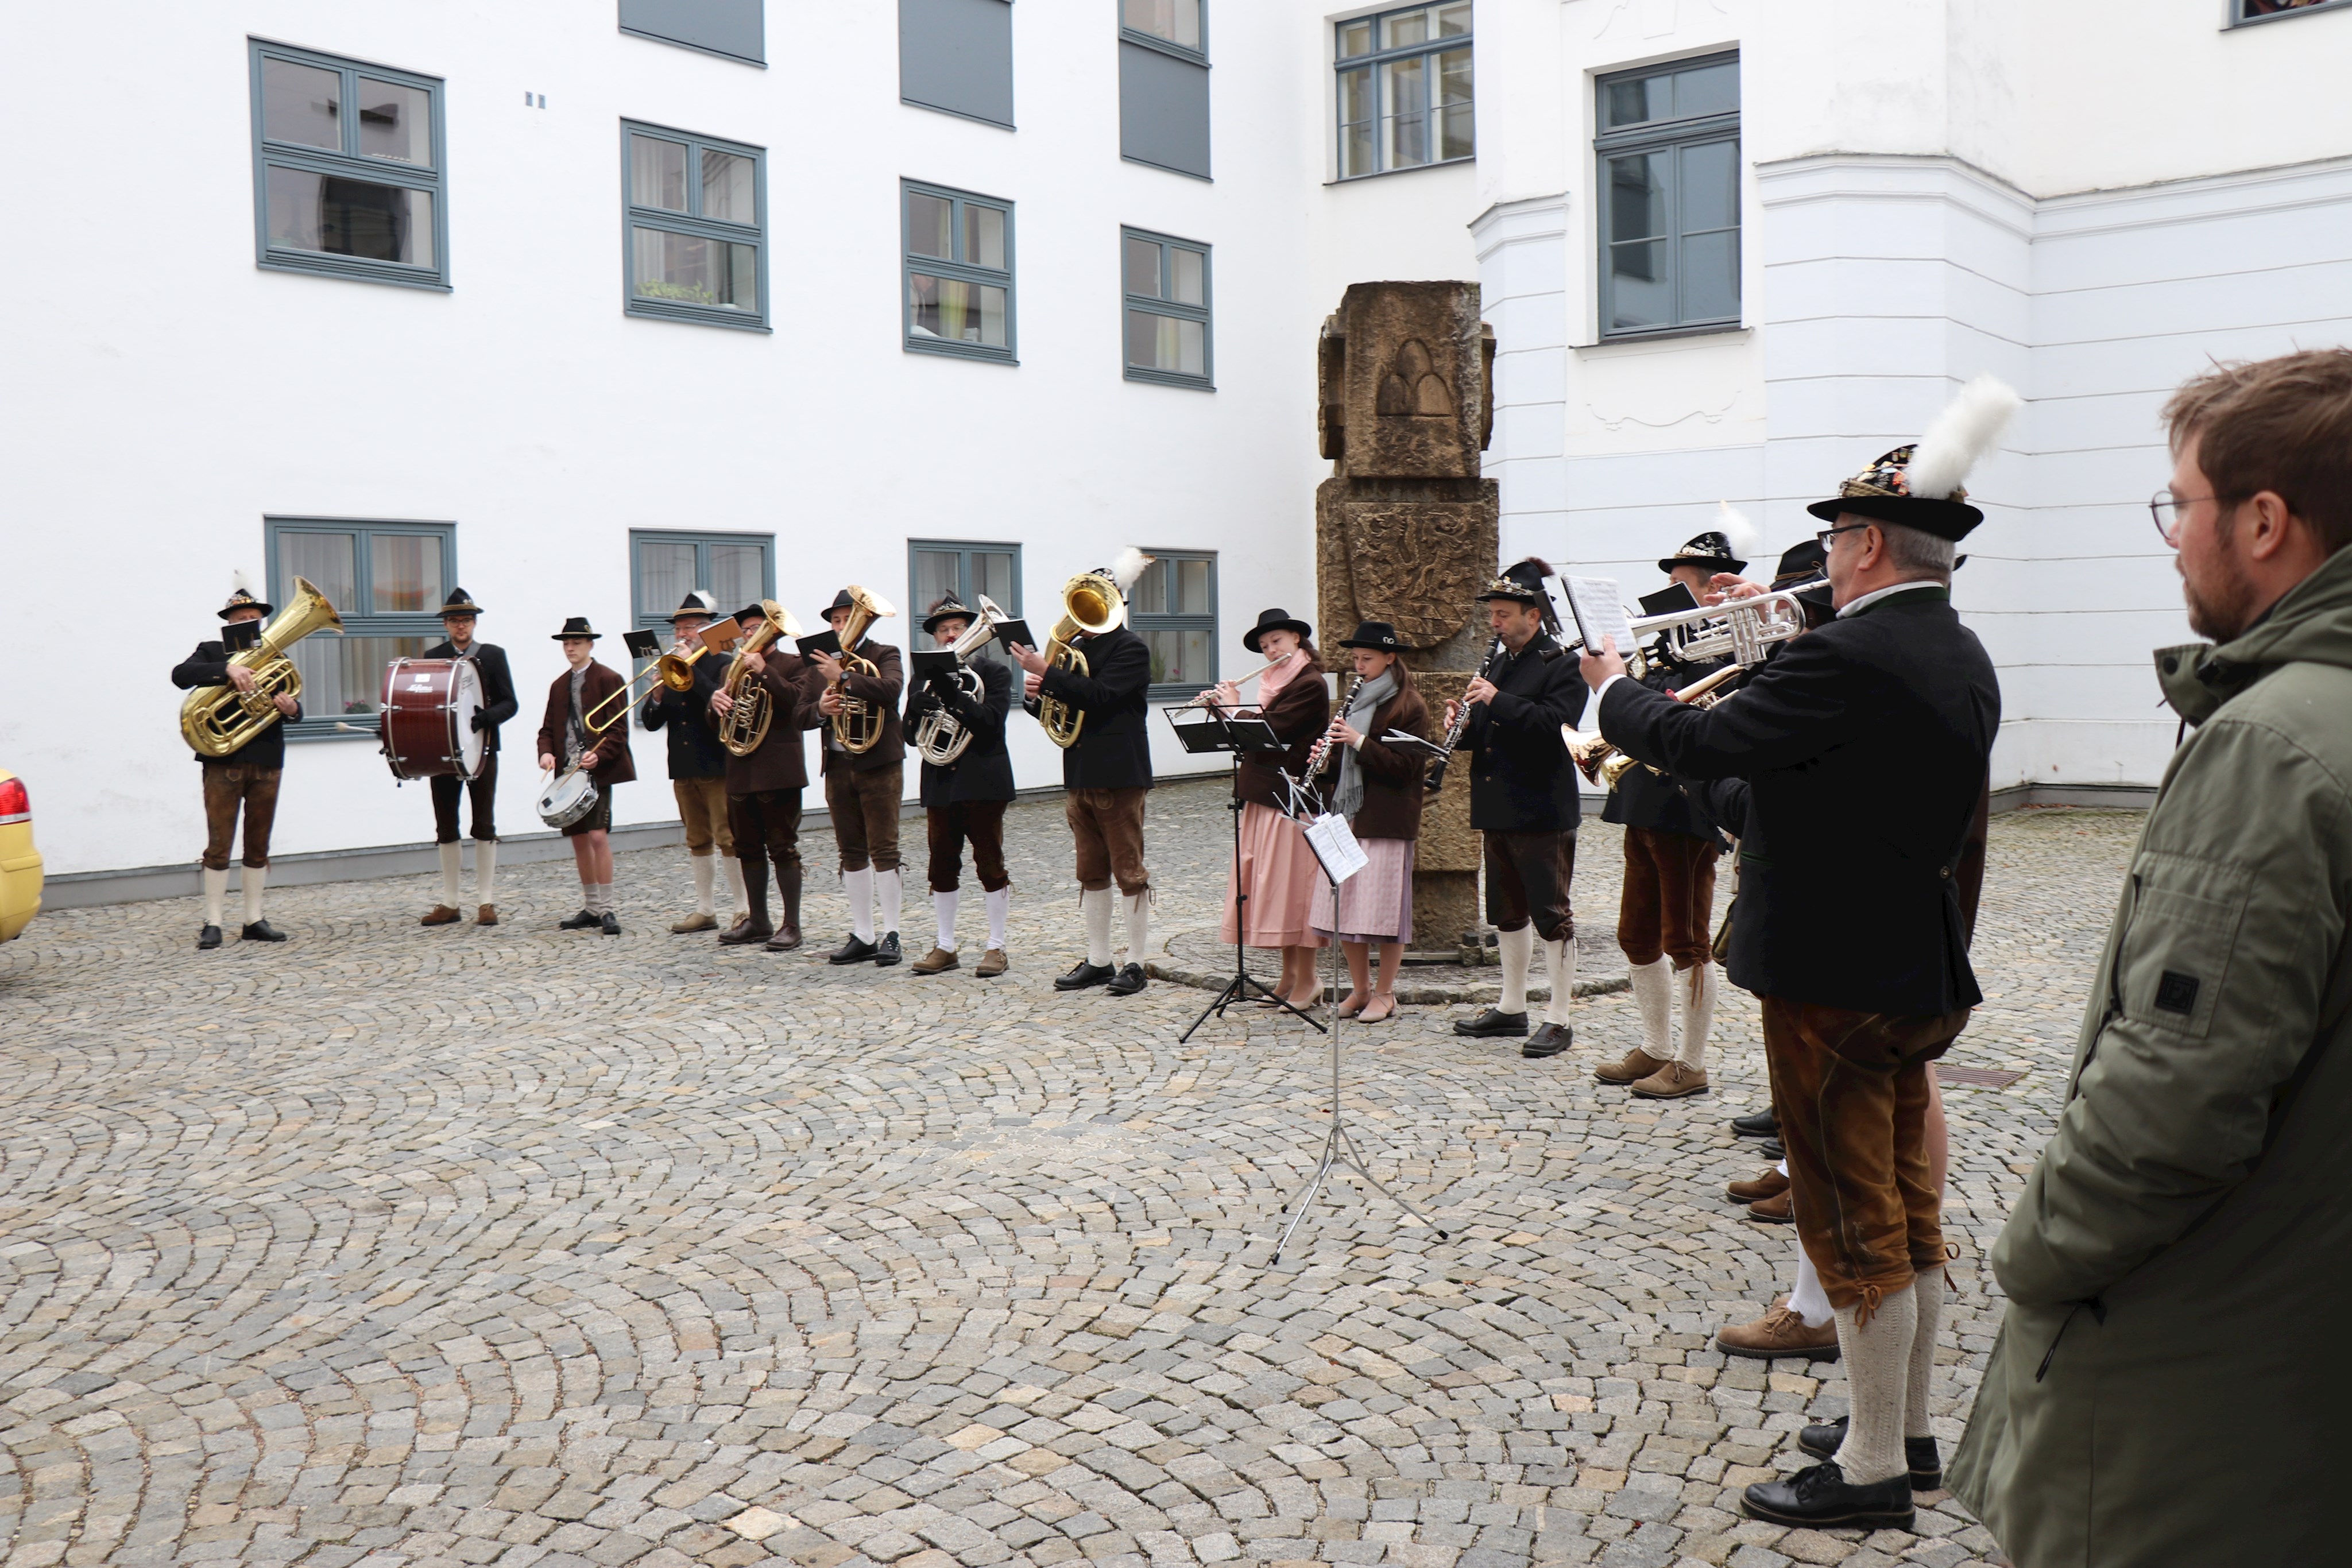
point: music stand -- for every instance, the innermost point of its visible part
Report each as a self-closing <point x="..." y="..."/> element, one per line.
<point x="1203" y="730"/>
<point x="1339" y="1148"/>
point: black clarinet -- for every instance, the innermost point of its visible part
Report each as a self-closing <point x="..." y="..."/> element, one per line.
<point x="1435" y="779"/>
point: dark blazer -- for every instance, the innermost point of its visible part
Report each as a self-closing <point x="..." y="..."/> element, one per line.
<point x="1114" y="749"/>
<point x="984" y="771"/>
<point x="499" y="703"/>
<point x="781" y="761"/>
<point x="1643" y="799"/>
<point x="208" y="666"/>
<point x="614" y="763"/>
<point x="1392" y="786"/>
<point x="883" y="692"/>
<point x="1300" y="713"/>
<point x="1521" y="780"/>
<point x="1866" y="746"/>
<point x="694" y="748"/>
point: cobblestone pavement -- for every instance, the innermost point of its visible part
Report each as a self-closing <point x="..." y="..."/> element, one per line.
<point x="400" y="1246"/>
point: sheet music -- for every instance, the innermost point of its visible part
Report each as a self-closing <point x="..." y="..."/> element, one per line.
<point x="1598" y="607"/>
<point x="1334" y="843"/>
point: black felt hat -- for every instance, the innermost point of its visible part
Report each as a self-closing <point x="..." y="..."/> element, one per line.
<point x="577" y="626"/>
<point x="1711" y="548"/>
<point x="1805" y="561"/>
<point x="755" y="610"/>
<point x="240" y="597"/>
<point x="1380" y="636"/>
<point x="459" y="602"/>
<point x="841" y="602"/>
<point x="1275" y="620"/>
<point x="695" y="603"/>
<point x="947" y="609"/>
<point x="1522" y="581"/>
<point x="1882" y="492"/>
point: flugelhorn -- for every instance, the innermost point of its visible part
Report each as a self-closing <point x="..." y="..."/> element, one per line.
<point x="859" y="723"/>
<point x="219" y="720"/>
<point x="940" y="737"/>
<point x="746" y="723"/>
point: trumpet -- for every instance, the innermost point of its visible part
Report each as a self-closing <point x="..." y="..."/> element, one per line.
<point x="1598" y="758"/>
<point x="674" y="670"/>
<point x="940" y="737"/>
<point x="1737" y="629"/>
<point x="859" y="723"/>
<point x="746" y="723"/>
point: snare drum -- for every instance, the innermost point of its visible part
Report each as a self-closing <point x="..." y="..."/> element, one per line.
<point x="569" y="799"/>
<point x="428" y="718"/>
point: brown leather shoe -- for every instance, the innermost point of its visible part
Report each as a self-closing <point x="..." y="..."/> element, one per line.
<point x="745" y="932"/>
<point x="1638" y="1064"/>
<point x="786" y="938"/>
<point x="698" y="921"/>
<point x="441" y="915"/>
<point x="1773" y="1210"/>
<point x="936" y="961"/>
<point x="993" y="963"/>
<point x="1771" y="1184"/>
<point x="1779" y="1334"/>
<point x="1672" y="1081"/>
<point x="486" y="915"/>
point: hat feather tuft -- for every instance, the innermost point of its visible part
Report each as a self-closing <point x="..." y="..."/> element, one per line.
<point x="1129" y="566"/>
<point x="239" y="583"/>
<point x="1961" y="435"/>
<point x="1744" y="537"/>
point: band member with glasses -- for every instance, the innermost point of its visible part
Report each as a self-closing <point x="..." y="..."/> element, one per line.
<point x="481" y="791"/>
<point x="965" y="800"/>
<point x="246" y="779"/>
<point x="862" y="791"/>
<point x="763" y="788"/>
<point x="566" y="739"/>
<point x="697" y="768"/>
<point x="1377" y="787"/>
<point x="1270" y="892"/>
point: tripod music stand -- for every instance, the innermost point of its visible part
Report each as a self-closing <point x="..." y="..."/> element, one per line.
<point x="1339" y="1148"/>
<point x="1202" y="731"/>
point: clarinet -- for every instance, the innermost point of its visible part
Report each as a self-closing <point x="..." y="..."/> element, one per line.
<point x="1436" y="777"/>
<point x="1321" y="750"/>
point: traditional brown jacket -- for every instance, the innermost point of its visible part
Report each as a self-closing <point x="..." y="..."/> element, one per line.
<point x="782" y="760"/>
<point x="1299" y="713"/>
<point x="615" y="765"/>
<point x="1393" y="789"/>
<point x="883" y="692"/>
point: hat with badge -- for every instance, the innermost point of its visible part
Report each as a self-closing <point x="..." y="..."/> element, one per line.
<point x="576" y="626"/>
<point x="1919" y="486"/>
<point x="1380" y="636"/>
<point x="1724" y="548"/>
<point x="1522" y="581"/>
<point x="947" y="609"/>
<point x="459" y="602"/>
<point x="697" y="602"/>
<point x="240" y="597"/>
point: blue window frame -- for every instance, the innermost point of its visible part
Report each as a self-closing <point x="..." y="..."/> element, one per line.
<point x="730" y="29"/>
<point x="1173" y="608"/>
<point x="349" y="161"/>
<point x="666" y="564"/>
<point x="387" y="581"/>
<point x="958" y="273"/>
<point x="1669" y="180"/>
<point x="1167" y="330"/>
<point x="937" y="567"/>
<point x="1405" y="90"/>
<point x="694" y="227"/>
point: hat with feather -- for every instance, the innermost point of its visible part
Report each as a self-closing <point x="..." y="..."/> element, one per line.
<point x="241" y="597"/>
<point x="1920" y="486"/>
<point x="1724" y="547"/>
<point x="697" y="601"/>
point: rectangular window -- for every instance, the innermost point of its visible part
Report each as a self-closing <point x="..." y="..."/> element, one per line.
<point x="2263" y="10"/>
<point x="387" y="582"/>
<point x="1173" y="608"/>
<point x="957" y="56"/>
<point x="665" y="565"/>
<point x="1405" y="97"/>
<point x="733" y="29"/>
<point x="1166" y="329"/>
<point x="695" y="227"/>
<point x="958" y="267"/>
<point x="1163" y="84"/>
<point x="936" y="568"/>
<point x="1669" y="208"/>
<point x="347" y="165"/>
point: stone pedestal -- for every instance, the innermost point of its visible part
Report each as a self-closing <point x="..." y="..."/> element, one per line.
<point x="1406" y="530"/>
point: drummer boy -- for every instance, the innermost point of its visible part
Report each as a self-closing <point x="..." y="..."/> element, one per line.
<point x="481" y="790"/>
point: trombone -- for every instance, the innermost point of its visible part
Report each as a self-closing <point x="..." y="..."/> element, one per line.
<point x="674" y="670"/>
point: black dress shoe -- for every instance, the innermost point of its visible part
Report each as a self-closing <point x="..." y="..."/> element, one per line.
<point x="1493" y="1025"/>
<point x="208" y="938"/>
<point x="856" y="950"/>
<point x="1084" y="975"/>
<point x="1550" y="1040"/>
<point x="610" y="923"/>
<point x="584" y="921"/>
<point x="1127" y="982"/>
<point x="1927" y="1465"/>
<point x="262" y="931"/>
<point x="1821" y="1499"/>
<point x="1762" y="1124"/>
<point x="885" y="953"/>
<point x="1774" y="1149"/>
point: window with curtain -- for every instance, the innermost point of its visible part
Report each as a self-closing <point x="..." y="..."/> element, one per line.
<point x="959" y="272"/>
<point x="387" y="582"/>
<point x="1669" y="197"/>
<point x="1167" y="326"/>
<point x="938" y="568"/>
<point x="346" y="163"/>
<point x="1173" y="608"/>
<point x="1405" y="98"/>
<point x="2259" y="10"/>
<point x="665" y="565"/>
<point x="696" y="230"/>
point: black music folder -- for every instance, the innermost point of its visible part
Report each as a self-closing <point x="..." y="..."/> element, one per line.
<point x="1200" y="730"/>
<point x="1015" y="629"/>
<point x="825" y="642"/>
<point x="642" y="644"/>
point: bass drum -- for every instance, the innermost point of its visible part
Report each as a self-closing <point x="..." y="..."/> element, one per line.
<point x="428" y="718"/>
<point x="568" y="799"/>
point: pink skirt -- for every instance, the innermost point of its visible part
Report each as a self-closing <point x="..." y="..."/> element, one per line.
<point x="1280" y="873"/>
<point x="1376" y="903"/>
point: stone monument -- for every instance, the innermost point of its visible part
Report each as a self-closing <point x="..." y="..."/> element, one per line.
<point x="1406" y="530"/>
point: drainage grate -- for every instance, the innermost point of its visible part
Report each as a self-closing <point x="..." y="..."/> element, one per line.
<point x="1976" y="1077"/>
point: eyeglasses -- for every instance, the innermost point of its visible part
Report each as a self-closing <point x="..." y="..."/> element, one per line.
<point x="1829" y="535"/>
<point x="2167" y="507"/>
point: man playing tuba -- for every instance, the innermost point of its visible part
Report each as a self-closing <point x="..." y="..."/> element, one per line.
<point x="965" y="799"/>
<point x="862" y="787"/>
<point x="246" y="778"/>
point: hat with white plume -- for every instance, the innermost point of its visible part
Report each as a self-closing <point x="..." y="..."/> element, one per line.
<point x="241" y="597"/>
<point x="1129" y="566"/>
<point x="1724" y="547"/>
<point x="1920" y="486"/>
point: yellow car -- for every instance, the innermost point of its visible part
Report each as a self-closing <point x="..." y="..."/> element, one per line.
<point x="20" y="862"/>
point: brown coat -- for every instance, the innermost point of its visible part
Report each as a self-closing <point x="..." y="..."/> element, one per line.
<point x="1393" y="788"/>
<point x="1299" y="713"/>
<point x="884" y="693"/>
<point x="615" y="765"/>
<point x="781" y="761"/>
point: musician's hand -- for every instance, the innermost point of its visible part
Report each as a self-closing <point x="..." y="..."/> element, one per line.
<point x="1731" y="585"/>
<point x="1453" y="711"/>
<point x="1479" y="690"/>
<point x="1346" y="734"/>
<point x="241" y="677"/>
<point x="1031" y="682"/>
<point x="830" y="702"/>
<point x="1030" y="660"/>
<point x="546" y="763"/>
<point x="287" y="704"/>
<point x="722" y="703"/>
<point x="757" y="662"/>
<point x="1224" y="694"/>
<point x="1599" y="668"/>
<point x="828" y="662"/>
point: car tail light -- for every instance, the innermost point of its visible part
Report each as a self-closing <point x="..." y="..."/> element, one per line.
<point x="16" y="806"/>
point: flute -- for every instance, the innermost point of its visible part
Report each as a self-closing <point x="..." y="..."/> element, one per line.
<point x="1208" y="698"/>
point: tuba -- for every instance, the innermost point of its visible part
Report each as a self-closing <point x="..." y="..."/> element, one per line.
<point x="940" y="737"/>
<point x="859" y="723"/>
<point x="1092" y="604"/>
<point x="217" y="720"/>
<point x="746" y="723"/>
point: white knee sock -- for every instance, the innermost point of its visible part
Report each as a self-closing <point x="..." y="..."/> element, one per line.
<point x="1094" y="902"/>
<point x="257" y="877"/>
<point x="1138" y="928"/>
<point x="1808" y="1301"/>
<point x="944" y="904"/>
<point x="215" y="896"/>
<point x="859" y="887"/>
<point x="892" y="888"/>
<point x="705" y="875"/>
<point x="1518" y="947"/>
<point x="1562" y="957"/>
<point x="1695" y="988"/>
<point x="1000" y="910"/>
<point x="486" y="871"/>
<point x="1927" y="1290"/>
<point x="1877" y="1358"/>
<point x="735" y="888"/>
<point x="1654" y="993"/>
<point x="452" y="865"/>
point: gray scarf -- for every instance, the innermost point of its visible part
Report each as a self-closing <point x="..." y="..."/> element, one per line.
<point x="1348" y="799"/>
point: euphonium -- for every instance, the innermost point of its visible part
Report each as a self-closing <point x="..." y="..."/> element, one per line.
<point x="859" y="723"/>
<point x="940" y="737"/>
<point x="1091" y="605"/>
<point x="217" y="720"/>
<point x="746" y="723"/>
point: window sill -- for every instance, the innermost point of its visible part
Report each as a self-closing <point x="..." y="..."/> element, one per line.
<point x="957" y="113"/>
<point x="2237" y="22"/>
<point x="354" y="271"/>
<point x="1666" y="334"/>
<point x="313" y="729"/>
<point x="1164" y="167"/>
<point x="1162" y="46"/>
<point x="1183" y="692"/>
<point x="1170" y="379"/>
<point x="947" y="348"/>
<point x="656" y="310"/>
<point x="1416" y="169"/>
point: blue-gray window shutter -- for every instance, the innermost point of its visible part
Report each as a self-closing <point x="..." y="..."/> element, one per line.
<point x="733" y="27"/>
<point x="957" y="54"/>
<point x="1163" y="109"/>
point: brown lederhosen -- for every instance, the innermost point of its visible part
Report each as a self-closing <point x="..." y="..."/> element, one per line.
<point x="702" y="806"/>
<point x="1526" y="879"/>
<point x="1668" y="899"/>
<point x="865" y="808"/>
<point x="981" y="821"/>
<point x="1107" y="828"/>
<point x="767" y="821"/>
<point x="226" y="786"/>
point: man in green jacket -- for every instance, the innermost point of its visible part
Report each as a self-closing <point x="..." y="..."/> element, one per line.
<point x="2172" y="1379"/>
